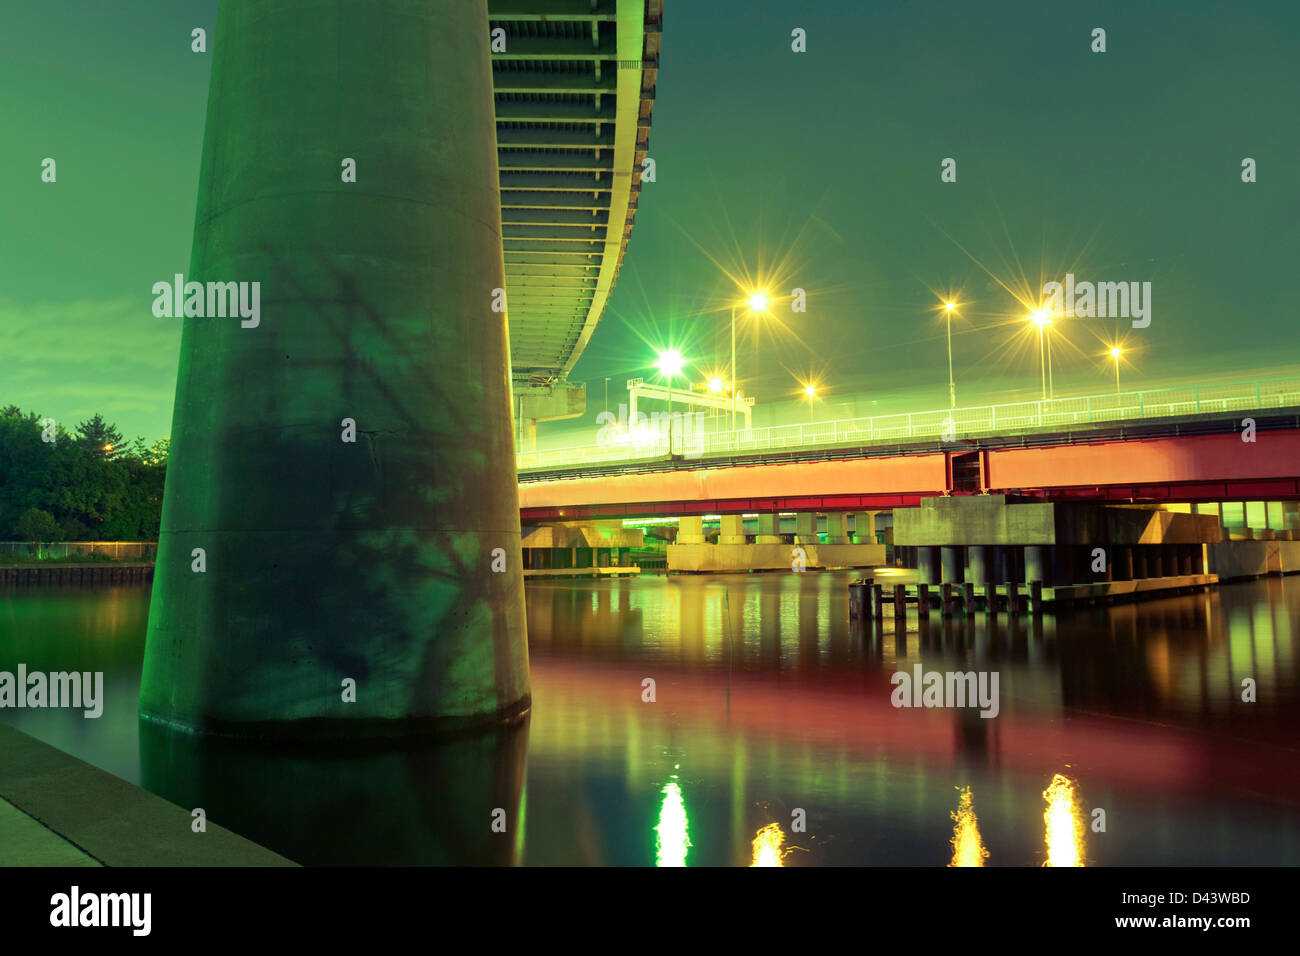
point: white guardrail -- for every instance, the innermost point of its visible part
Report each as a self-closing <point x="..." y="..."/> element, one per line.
<point x="650" y="440"/>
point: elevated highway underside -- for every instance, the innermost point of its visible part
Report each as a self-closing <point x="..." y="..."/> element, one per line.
<point x="1199" y="458"/>
<point x="574" y="84"/>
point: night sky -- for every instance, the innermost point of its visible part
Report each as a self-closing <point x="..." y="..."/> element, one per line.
<point x="817" y="170"/>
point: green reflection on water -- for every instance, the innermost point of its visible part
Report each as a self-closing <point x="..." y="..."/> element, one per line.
<point x="671" y="837"/>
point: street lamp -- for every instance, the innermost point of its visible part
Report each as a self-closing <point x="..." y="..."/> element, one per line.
<point x="757" y="303"/>
<point x="1043" y="323"/>
<point x="670" y="363"/>
<point x="1115" y="353"/>
<point x="811" y="392"/>
<point x="950" y="307"/>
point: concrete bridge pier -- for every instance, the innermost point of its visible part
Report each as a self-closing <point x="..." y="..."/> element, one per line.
<point x="977" y="570"/>
<point x="690" y="530"/>
<point x="342" y="472"/>
<point x="927" y="565"/>
<point x="835" y="528"/>
<point x="1035" y="566"/>
<point x="1126" y="569"/>
<point x="864" y="527"/>
<point x="805" y="527"/>
<point x="952" y="566"/>
<point x="1004" y="563"/>
<point x="769" y="529"/>
<point x="731" y="529"/>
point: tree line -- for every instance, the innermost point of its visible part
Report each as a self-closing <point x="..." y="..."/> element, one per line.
<point x="85" y="485"/>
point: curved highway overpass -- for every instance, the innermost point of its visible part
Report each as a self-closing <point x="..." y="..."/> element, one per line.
<point x="575" y="86"/>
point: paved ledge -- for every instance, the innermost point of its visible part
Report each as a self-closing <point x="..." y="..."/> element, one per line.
<point x="25" y="841"/>
<point x="56" y="810"/>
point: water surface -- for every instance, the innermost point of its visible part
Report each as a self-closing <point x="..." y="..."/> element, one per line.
<point x="770" y="709"/>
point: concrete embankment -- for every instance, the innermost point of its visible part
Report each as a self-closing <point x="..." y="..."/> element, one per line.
<point x="56" y="810"/>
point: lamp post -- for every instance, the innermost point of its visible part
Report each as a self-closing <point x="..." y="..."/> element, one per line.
<point x="1042" y="321"/>
<point x="949" y="308"/>
<point x="757" y="303"/>
<point x="670" y="363"/>
<point x="1051" y="389"/>
<point x="1115" y="353"/>
<point x="811" y="392"/>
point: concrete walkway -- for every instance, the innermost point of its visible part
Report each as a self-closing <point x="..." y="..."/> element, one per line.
<point x="56" y="810"/>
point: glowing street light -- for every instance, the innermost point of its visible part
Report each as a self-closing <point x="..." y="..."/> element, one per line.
<point x="1115" y="353"/>
<point x="949" y="308"/>
<point x="669" y="363"/>
<point x="1044" y="323"/>
<point x="715" y="385"/>
<point x="757" y="303"/>
<point x="811" y="392"/>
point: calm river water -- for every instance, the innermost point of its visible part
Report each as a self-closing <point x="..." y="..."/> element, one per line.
<point x="1121" y="737"/>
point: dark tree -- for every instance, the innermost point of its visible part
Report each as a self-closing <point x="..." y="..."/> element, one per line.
<point x="100" y="438"/>
<point x="37" y="525"/>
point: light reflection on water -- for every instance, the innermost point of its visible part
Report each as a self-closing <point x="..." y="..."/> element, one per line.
<point x="768" y="702"/>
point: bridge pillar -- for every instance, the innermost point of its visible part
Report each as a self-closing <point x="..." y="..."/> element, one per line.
<point x="1256" y="513"/>
<point x="835" y="528"/>
<point x="690" y="530"/>
<point x="1291" y="518"/>
<point x="731" y="529"/>
<point x="769" y="529"/>
<point x="950" y="559"/>
<point x="1034" y="564"/>
<point x="1113" y="554"/>
<point x="1273" y="519"/>
<point x="864" y="527"/>
<point x="927" y="564"/>
<point x="978" y="571"/>
<point x="343" y="465"/>
<point x="805" y="528"/>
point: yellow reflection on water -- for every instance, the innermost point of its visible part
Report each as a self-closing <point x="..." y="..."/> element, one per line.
<point x="967" y="847"/>
<point x="767" y="846"/>
<point x="671" y="837"/>
<point x="1064" y="823"/>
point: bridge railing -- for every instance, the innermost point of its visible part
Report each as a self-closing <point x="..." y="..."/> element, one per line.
<point x="979" y="421"/>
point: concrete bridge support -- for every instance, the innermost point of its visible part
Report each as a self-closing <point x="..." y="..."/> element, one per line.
<point x="952" y="566"/>
<point x="927" y="565"/>
<point x="1291" y="518"/>
<point x="1035" y="565"/>
<point x="835" y="528"/>
<point x="690" y="530"/>
<point x="731" y="529"/>
<point x="864" y="527"/>
<point x="340" y="547"/>
<point x="805" y="528"/>
<point x="978" y="565"/>
<point x="769" y="529"/>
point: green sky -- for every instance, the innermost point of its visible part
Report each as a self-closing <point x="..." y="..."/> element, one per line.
<point x="1122" y="166"/>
